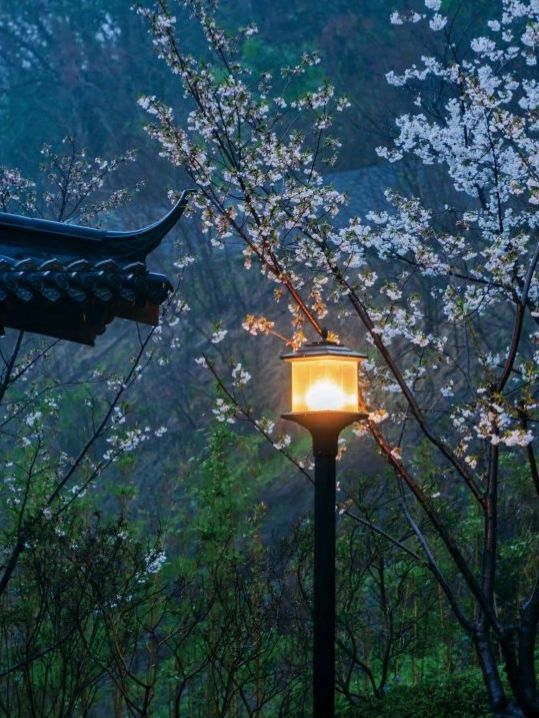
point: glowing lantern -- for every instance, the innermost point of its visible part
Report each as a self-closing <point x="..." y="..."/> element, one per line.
<point x="325" y="379"/>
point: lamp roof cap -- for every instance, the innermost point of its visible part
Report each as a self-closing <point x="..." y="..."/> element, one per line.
<point x="323" y="349"/>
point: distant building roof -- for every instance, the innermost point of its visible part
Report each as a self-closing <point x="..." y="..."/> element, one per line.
<point x="69" y="281"/>
<point x="366" y="188"/>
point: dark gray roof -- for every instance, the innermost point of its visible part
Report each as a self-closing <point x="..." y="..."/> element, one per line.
<point x="69" y="282"/>
<point x="366" y="187"/>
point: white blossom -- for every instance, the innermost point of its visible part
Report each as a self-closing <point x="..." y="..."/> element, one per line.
<point x="240" y="376"/>
<point x="154" y="561"/>
<point x="218" y="336"/>
<point x="283" y="442"/>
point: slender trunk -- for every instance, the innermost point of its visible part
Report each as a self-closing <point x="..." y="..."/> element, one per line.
<point x="446" y="637"/>
<point x="366" y="682"/>
<point x="489" y="669"/>
<point x="117" y="703"/>
<point x="527" y="683"/>
<point x="512" y="711"/>
<point x="501" y="706"/>
<point x="414" y="663"/>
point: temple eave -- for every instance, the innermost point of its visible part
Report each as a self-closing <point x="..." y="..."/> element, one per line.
<point x="70" y="282"/>
<point x="81" y="323"/>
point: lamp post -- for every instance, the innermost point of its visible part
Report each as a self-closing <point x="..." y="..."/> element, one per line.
<point x="325" y="399"/>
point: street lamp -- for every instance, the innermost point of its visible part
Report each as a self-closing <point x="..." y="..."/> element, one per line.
<point x="325" y="399"/>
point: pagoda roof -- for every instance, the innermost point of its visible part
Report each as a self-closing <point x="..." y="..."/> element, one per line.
<point x="69" y="281"/>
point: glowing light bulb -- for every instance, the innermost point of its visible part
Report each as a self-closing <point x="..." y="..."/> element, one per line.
<point x="325" y="395"/>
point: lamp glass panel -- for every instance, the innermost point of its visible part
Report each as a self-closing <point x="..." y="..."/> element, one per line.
<point x="324" y="384"/>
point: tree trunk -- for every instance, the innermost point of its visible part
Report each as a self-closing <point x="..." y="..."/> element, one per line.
<point x="491" y="676"/>
<point x="510" y="711"/>
<point x="502" y="707"/>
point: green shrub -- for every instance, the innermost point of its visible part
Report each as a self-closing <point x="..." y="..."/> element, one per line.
<point x="461" y="696"/>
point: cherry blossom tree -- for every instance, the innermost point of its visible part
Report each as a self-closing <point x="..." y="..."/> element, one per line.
<point x="444" y="294"/>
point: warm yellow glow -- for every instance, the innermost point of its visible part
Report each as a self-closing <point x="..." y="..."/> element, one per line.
<point x="324" y="384"/>
<point x="325" y="394"/>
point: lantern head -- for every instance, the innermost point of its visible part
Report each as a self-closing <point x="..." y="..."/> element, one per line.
<point x="325" y="379"/>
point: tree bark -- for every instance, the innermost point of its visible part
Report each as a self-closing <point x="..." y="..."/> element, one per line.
<point x="489" y="669"/>
<point x="523" y="703"/>
<point x="511" y="711"/>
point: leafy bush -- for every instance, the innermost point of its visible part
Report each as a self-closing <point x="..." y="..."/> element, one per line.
<point x="459" y="697"/>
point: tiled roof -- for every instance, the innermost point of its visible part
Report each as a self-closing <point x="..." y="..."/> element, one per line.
<point x="69" y="281"/>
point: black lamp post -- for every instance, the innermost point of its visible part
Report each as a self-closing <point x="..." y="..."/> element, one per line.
<point x="325" y="399"/>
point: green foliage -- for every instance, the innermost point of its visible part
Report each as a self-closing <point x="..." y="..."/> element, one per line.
<point x="460" y="696"/>
<point x="261" y="55"/>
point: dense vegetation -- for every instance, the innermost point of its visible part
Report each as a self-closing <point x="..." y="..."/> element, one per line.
<point x="156" y="518"/>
